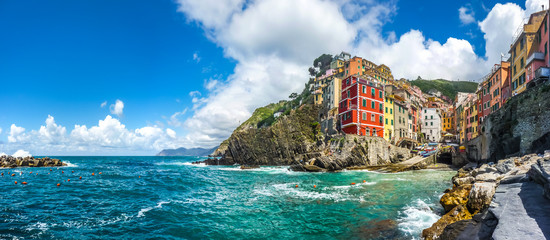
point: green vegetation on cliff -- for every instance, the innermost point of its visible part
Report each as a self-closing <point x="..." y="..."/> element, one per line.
<point x="446" y="87"/>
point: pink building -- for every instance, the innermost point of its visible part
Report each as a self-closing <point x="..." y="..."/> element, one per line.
<point x="538" y="56"/>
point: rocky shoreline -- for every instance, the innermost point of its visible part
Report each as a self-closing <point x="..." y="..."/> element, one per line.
<point x="14" y="162"/>
<point x="506" y="200"/>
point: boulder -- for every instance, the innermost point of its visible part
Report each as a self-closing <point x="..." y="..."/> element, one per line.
<point x="313" y="168"/>
<point x="463" y="180"/>
<point x="540" y="173"/>
<point x="481" y="196"/>
<point x="480" y="227"/>
<point x="504" y="166"/>
<point x="487" y="177"/>
<point x="456" y="196"/>
<point x="456" y="214"/>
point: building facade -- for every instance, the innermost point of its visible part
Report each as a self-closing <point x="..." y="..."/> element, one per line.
<point x="431" y="127"/>
<point x="361" y="109"/>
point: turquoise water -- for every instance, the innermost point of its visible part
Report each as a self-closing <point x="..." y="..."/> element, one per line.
<point x="174" y="199"/>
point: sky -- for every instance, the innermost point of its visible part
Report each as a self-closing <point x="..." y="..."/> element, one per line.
<point x="98" y="77"/>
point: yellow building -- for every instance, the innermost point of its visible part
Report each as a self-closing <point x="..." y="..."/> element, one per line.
<point x="474" y="120"/>
<point x="389" y="117"/>
<point x="519" y="49"/>
<point x="448" y="121"/>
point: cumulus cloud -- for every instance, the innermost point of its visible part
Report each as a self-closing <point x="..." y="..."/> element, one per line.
<point x="103" y="104"/>
<point x="117" y="108"/>
<point x="466" y="15"/>
<point x="16" y="134"/>
<point x="109" y="136"/>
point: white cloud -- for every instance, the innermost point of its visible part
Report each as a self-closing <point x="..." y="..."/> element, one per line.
<point x="466" y="15"/>
<point x="171" y="133"/>
<point x="196" y="57"/>
<point x="210" y="13"/>
<point x="0" y="130"/>
<point x="3" y="154"/>
<point x="117" y="108"/>
<point x="109" y="136"/>
<point x="16" y="134"/>
<point x="52" y="133"/>
<point x="174" y="120"/>
<point x="103" y="104"/>
<point x="21" y="153"/>
<point x="532" y="6"/>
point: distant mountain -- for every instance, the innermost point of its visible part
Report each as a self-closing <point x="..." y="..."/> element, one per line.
<point x="446" y="87"/>
<point x="187" y="152"/>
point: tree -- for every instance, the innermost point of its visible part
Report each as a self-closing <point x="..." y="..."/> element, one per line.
<point x="312" y="72"/>
<point x="293" y="96"/>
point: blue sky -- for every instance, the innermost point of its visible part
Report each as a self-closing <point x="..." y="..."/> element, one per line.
<point x="188" y="72"/>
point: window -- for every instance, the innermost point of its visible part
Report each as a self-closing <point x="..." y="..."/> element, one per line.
<point x="364" y="102"/>
<point x="381" y="119"/>
<point x="372" y="117"/>
<point x="347" y="80"/>
<point x="386" y="99"/>
<point x="391" y="101"/>
<point x="380" y="94"/>
<point x="521" y="63"/>
<point x="386" y="121"/>
<point x="364" y="89"/>
<point x="372" y="105"/>
<point x="386" y="111"/>
<point x="426" y="117"/>
<point x="349" y="94"/>
<point x="426" y="123"/>
<point x="432" y="116"/>
<point x="372" y="92"/>
<point x="432" y="123"/>
<point x="392" y="122"/>
<point x="365" y="116"/>
<point x="381" y="106"/>
<point x="391" y="110"/>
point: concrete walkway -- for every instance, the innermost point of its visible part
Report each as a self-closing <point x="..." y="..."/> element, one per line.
<point x="522" y="212"/>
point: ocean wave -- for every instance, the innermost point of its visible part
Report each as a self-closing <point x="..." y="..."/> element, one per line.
<point x="416" y="217"/>
<point x="180" y="164"/>
<point x="271" y="170"/>
<point x="69" y="164"/>
<point x="142" y="212"/>
<point x="309" y="193"/>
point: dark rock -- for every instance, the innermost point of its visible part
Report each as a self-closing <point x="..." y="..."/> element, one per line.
<point x="480" y="227"/>
<point x="480" y="196"/>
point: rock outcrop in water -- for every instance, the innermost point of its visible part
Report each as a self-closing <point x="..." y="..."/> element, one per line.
<point x="13" y="162"/>
<point x="296" y="140"/>
<point x="506" y="200"/>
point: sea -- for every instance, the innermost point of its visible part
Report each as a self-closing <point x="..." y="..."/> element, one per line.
<point x="170" y="198"/>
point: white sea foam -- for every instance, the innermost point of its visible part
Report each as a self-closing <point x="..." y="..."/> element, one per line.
<point x="416" y="217"/>
<point x="319" y="193"/>
<point x="38" y="226"/>
<point x="270" y="170"/>
<point x="142" y="212"/>
<point x="180" y="164"/>
<point x="69" y="164"/>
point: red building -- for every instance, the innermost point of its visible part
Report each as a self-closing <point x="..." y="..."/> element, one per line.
<point x="361" y="109"/>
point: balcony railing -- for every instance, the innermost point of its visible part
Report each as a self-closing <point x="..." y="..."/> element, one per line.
<point x="535" y="56"/>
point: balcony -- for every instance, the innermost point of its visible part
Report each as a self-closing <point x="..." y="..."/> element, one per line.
<point x="535" y="56"/>
<point x="542" y="72"/>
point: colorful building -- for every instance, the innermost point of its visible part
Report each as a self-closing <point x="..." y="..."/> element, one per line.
<point x="520" y="48"/>
<point x="447" y="116"/>
<point x="538" y="56"/>
<point x="332" y="96"/>
<point x="388" y="117"/>
<point x="361" y="109"/>
<point x="400" y="111"/>
<point x="431" y="127"/>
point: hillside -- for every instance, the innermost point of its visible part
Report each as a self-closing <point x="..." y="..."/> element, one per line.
<point x="446" y="87"/>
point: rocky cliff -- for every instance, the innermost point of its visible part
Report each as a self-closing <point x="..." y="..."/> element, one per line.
<point x="295" y="139"/>
<point x="520" y="127"/>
